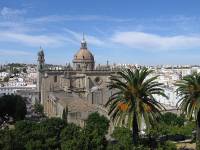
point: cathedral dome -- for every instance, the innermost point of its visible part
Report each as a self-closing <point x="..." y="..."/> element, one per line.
<point x="83" y="55"/>
<point x="83" y="59"/>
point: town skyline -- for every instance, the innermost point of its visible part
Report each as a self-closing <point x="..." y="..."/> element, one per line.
<point x="143" y="33"/>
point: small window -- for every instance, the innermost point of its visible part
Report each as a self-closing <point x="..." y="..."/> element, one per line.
<point x="55" y="78"/>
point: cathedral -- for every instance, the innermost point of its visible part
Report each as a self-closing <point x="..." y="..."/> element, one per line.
<point x="80" y="89"/>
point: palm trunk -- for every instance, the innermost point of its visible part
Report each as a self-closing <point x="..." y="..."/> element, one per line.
<point x="198" y="132"/>
<point x="135" y="129"/>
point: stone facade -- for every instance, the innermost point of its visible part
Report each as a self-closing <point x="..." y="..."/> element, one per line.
<point x="81" y="89"/>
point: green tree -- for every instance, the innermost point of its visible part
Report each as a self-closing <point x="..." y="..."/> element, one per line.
<point x="123" y="136"/>
<point x="9" y="140"/>
<point x="54" y="134"/>
<point x="53" y="126"/>
<point x="43" y="135"/>
<point x="6" y="79"/>
<point x="172" y="124"/>
<point x="69" y="137"/>
<point x="65" y="114"/>
<point x="172" y="119"/>
<point x="96" y="121"/>
<point x="24" y="70"/>
<point x="13" y="106"/>
<point x="189" y="92"/>
<point x="2" y="69"/>
<point x="34" y="144"/>
<point x="134" y="99"/>
<point x="39" y="109"/>
<point x="15" y="71"/>
<point x="95" y="130"/>
<point x="28" y="131"/>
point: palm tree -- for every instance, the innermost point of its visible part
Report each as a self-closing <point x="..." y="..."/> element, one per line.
<point x="134" y="99"/>
<point x="189" y="92"/>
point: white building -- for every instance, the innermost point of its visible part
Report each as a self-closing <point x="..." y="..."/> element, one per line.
<point x="4" y="74"/>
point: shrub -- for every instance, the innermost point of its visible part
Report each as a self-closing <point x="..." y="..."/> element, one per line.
<point x="168" y="145"/>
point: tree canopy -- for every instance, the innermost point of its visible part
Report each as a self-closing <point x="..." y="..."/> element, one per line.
<point x="55" y="133"/>
<point x="96" y="121"/>
<point x="134" y="99"/>
<point x="189" y="92"/>
<point x="39" y="109"/>
<point x="14" y="106"/>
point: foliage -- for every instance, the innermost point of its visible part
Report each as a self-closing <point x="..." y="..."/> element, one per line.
<point x="39" y="109"/>
<point x="168" y="145"/>
<point x="24" y="70"/>
<point x="123" y="136"/>
<point x="69" y="137"/>
<point x="33" y="145"/>
<point x="189" y="92"/>
<point x="17" y="68"/>
<point x="92" y="136"/>
<point x="118" y="146"/>
<point x="65" y="114"/>
<point x="43" y="135"/>
<point x="15" y="71"/>
<point x="95" y="121"/>
<point x="163" y="129"/>
<point x="54" y="134"/>
<point x="2" y="69"/>
<point x="9" y="140"/>
<point x="16" y="65"/>
<point x="135" y="91"/>
<point x="95" y="130"/>
<point x="13" y="106"/>
<point x="53" y="126"/>
<point x="172" y="119"/>
<point x="6" y="79"/>
<point x="172" y="124"/>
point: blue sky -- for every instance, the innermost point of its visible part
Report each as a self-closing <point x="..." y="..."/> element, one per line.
<point x="129" y="31"/>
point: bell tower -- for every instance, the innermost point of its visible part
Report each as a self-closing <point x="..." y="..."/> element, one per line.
<point x="41" y="60"/>
<point x="40" y="68"/>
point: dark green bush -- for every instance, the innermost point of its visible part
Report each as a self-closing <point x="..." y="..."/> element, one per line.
<point x="168" y="145"/>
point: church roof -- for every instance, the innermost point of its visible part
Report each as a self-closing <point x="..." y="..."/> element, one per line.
<point x="72" y="101"/>
<point x="80" y="106"/>
<point x="83" y="54"/>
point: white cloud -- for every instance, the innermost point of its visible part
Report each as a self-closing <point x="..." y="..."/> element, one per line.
<point x="155" y="42"/>
<point x="90" y="39"/>
<point x="9" y="12"/>
<point x="57" y="18"/>
<point x="33" y="40"/>
<point x="6" y="52"/>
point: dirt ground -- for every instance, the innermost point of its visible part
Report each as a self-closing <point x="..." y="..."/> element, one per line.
<point x="186" y="145"/>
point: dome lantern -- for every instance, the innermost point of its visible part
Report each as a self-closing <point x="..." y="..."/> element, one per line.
<point x="83" y="43"/>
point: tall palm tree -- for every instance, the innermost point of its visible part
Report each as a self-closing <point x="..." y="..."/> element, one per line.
<point x="134" y="99"/>
<point x="189" y="92"/>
